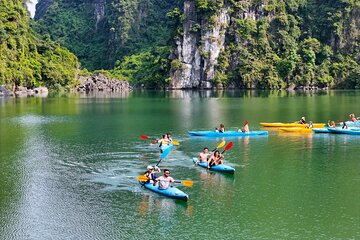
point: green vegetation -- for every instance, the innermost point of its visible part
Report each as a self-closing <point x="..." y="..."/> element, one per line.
<point x="101" y="38"/>
<point x="26" y="59"/>
<point x="279" y="44"/>
<point x="301" y="43"/>
<point x="148" y="69"/>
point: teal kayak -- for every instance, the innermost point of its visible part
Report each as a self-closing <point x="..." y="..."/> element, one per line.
<point x="217" y="168"/>
<point x="226" y="133"/>
<point x="351" y="123"/>
<point x="171" y="192"/>
<point x="350" y="131"/>
<point x="320" y="130"/>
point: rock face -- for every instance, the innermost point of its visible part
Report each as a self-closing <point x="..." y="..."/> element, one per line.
<point x="199" y="48"/>
<point x="41" y="8"/>
<point x="20" y="91"/>
<point x="100" y="83"/>
<point x="5" y="92"/>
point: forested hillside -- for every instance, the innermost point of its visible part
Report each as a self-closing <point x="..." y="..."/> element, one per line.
<point x="267" y="44"/>
<point x="26" y="59"/>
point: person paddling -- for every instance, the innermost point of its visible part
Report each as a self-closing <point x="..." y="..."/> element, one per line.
<point x="302" y="120"/>
<point x="203" y="156"/>
<point x="164" y="181"/>
<point x="215" y="159"/>
<point x="164" y="141"/>
<point x="331" y="124"/>
<point x="352" y="117"/>
<point x="151" y="172"/>
<point x="221" y="129"/>
<point x="245" y="128"/>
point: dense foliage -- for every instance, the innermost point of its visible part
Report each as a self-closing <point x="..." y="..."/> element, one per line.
<point x="269" y="44"/>
<point x="293" y="43"/>
<point x="27" y="60"/>
<point x="100" y="34"/>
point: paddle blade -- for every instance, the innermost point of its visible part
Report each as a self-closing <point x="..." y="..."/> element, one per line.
<point x="187" y="183"/>
<point x="175" y="142"/>
<point x="142" y="178"/>
<point x="154" y="142"/>
<point x="221" y="144"/>
<point x="230" y="144"/>
<point x="144" y="137"/>
<point x="165" y="153"/>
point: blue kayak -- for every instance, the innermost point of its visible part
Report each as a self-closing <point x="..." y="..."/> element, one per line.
<point x="171" y="192"/>
<point x="218" y="168"/>
<point x="320" y="130"/>
<point x="226" y="133"/>
<point x="351" y="131"/>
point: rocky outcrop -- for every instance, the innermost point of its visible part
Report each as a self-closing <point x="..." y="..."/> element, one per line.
<point x="5" y="92"/>
<point x="41" y="8"/>
<point x="100" y="83"/>
<point x="20" y="91"/>
<point x="187" y="52"/>
<point x="199" y="48"/>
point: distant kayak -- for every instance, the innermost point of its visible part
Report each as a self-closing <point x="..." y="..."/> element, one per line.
<point x="315" y="125"/>
<point x="296" y="129"/>
<point x="171" y="192"/>
<point x="226" y="133"/>
<point x="218" y="168"/>
<point x="351" y="123"/>
<point x="350" y="131"/>
<point x="320" y="130"/>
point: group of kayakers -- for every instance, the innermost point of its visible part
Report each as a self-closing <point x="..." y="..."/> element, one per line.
<point x="245" y="128"/>
<point x="210" y="158"/>
<point x="331" y="123"/>
<point x="152" y="171"/>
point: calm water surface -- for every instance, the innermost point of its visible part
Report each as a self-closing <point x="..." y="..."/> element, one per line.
<point x="68" y="168"/>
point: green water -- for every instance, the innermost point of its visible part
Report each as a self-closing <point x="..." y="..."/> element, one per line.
<point x="68" y="168"/>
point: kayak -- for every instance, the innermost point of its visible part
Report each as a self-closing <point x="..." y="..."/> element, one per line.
<point x="321" y="130"/>
<point x="218" y="168"/>
<point x="351" y="131"/>
<point x="296" y="129"/>
<point x="315" y="125"/>
<point x="171" y="192"/>
<point x="351" y="123"/>
<point x="226" y="133"/>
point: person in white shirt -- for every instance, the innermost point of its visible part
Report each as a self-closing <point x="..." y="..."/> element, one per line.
<point x="165" y="180"/>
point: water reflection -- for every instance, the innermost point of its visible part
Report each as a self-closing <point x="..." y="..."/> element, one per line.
<point x="230" y="93"/>
<point x="151" y="203"/>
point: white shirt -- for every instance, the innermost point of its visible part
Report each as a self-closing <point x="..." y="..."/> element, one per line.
<point x="164" y="182"/>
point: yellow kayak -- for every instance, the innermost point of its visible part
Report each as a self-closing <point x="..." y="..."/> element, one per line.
<point x="296" y="130"/>
<point x="286" y="125"/>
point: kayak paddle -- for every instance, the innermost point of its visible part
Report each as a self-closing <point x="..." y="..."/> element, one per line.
<point x="163" y="155"/>
<point x="142" y="178"/>
<point x="155" y="141"/>
<point x="144" y="137"/>
<point x="187" y="183"/>
<point x="220" y="145"/>
<point x="230" y="144"/>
